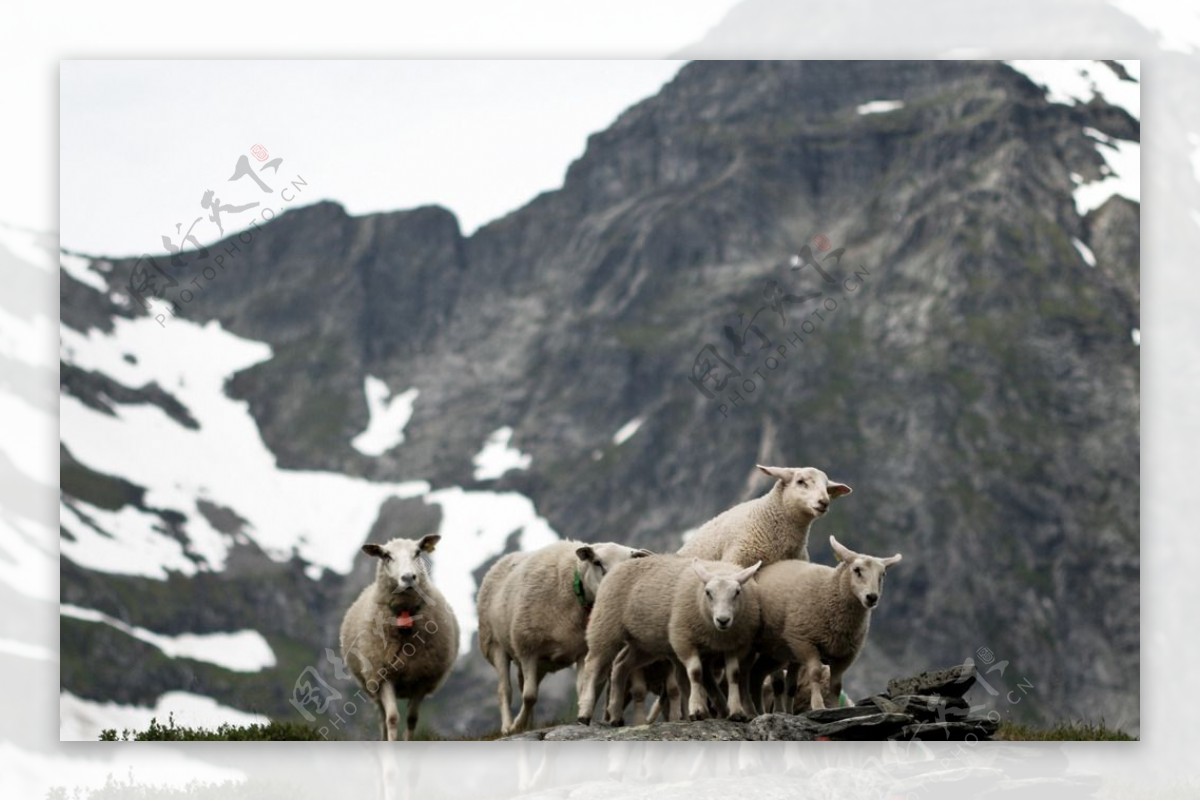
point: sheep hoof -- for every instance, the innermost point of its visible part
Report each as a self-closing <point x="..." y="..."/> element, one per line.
<point x="738" y="717"/>
<point x="695" y="716"/>
<point x="618" y="723"/>
<point x="584" y="720"/>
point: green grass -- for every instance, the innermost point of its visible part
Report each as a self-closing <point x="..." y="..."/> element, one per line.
<point x="1079" y="730"/>
<point x="172" y="731"/>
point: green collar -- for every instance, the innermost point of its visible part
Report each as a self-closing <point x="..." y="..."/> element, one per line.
<point x="580" y="596"/>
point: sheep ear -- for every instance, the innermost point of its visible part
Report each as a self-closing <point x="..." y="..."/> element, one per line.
<point x="742" y="576"/>
<point x="841" y="551"/>
<point x="781" y="473"/>
<point x="701" y="571"/>
<point x="891" y="560"/>
<point x="429" y="542"/>
<point x="371" y="549"/>
<point x="638" y="553"/>
<point x="837" y="490"/>
<point x="585" y="553"/>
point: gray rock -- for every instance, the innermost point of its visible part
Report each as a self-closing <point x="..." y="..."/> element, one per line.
<point x="702" y="730"/>
<point x="954" y="682"/>
<point x="774" y="727"/>
<point x="574" y="731"/>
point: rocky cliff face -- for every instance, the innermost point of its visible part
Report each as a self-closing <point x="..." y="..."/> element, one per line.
<point x="944" y="345"/>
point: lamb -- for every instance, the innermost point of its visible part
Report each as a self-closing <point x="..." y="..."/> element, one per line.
<point x="815" y="613"/>
<point x="534" y="608"/>
<point x="400" y="637"/>
<point x="671" y="607"/>
<point x="772" y="527"/>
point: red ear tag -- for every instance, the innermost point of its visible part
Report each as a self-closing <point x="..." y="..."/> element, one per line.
<point x="404" y="620"/>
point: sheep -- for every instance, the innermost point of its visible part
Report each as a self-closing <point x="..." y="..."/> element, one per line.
<point x="534" y="608"/>
<point x="772" y="527"/>
<point x="400" y="637"/>
<point x="670" y="607"/>
<point x="814" y="613"/>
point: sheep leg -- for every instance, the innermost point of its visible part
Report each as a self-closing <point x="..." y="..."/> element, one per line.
<point x="737" y="684"/>
<point x="716" y="695"/>
<point x="812" y="676"/>
<point x="627" y="661"/>
<point x="391" y="715"/>
<point x="677" y="681"/>
<point x="836" y="671"/>
<point x="697" y="700"/>
<point x="501" y="662"/>
<point x="763" y="695"/>
<point x="638" y="690"/>
<point x="414" y="711"/>
<point x="791" y="698"/>
<point x="599" y="658"/>
<point x="529" y="693"/>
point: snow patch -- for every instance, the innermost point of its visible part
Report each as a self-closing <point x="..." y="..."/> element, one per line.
<point x="1084" y="251"/>
<point x="310" y="514"/>
<point x="388" y="417"/>
<point x="880" y="106"/>
<point x="497" y="457"/>
<point x="128" y="541"/>
<point x="244" y="651"/>
<point x="1122" y="175"/>
<point x="476" y="526"/>
<point x="1136" y="335"/>
<point x="80" y="719"/>
<point x="78" y="268"/>
<point x="1070" y="82"/>
<point x="628" y="430"/>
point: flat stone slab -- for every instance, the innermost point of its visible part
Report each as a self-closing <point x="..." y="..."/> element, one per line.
<point x="879" y="726"/>
<point x="924" y="708"/>
<point x="953" y="682"/>
<point x="951" y="730"/>
<point x="836" y="713"/>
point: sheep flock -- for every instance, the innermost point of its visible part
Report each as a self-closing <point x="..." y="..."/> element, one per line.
<point x="738" y="622"/>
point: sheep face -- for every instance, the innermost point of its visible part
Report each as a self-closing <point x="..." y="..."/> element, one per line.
<point x="597" y="559"/>
<point x="723" y="594"/>
<point x="806" y="491"/>
<point x="403" y="563"/>
<point x="866" y="573"/>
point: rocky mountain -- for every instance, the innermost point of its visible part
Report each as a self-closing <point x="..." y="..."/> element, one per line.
<point x="921" y="277"/>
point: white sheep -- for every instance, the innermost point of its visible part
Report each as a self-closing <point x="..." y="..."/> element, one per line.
<point x="816" y="613"/>
<point x="772" y="527"/>
<point x="534" y="608"/>
<point x="670" y="607"/>
<point x="400" y="637"/>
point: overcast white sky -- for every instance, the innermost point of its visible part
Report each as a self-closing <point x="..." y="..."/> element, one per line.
<point x="142" y="141"/>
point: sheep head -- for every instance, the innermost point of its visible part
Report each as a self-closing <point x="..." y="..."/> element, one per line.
<point x="403" y="563"/>
<point x="864" y="573"/>
<point x="723" y="596"/>
<point x="598" y="558"/>
<point x="805" y="492"/>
